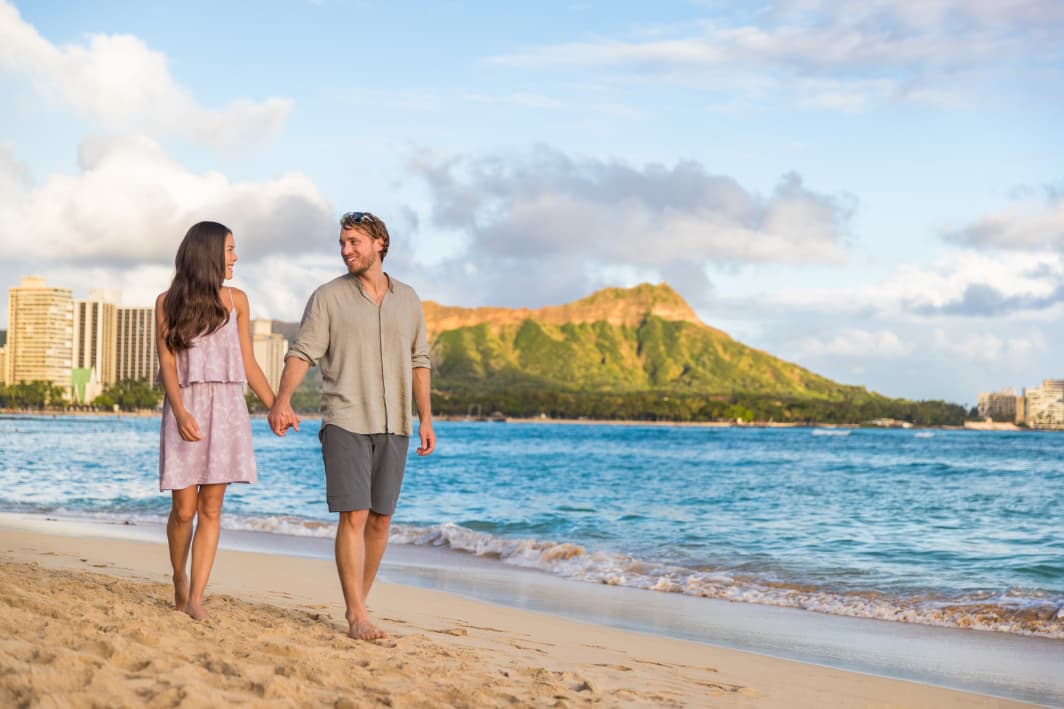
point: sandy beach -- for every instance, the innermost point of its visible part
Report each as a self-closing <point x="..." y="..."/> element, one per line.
<point x="87" y="621"/>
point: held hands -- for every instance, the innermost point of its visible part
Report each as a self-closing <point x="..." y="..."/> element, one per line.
<point x="187" y="427"/>
<point x="282" y="418"/>
<point x="428" y="438"/>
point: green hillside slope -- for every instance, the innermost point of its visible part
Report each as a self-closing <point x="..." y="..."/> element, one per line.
<point x="631" y="353"/>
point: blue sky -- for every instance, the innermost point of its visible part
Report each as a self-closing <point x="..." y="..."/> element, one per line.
<point x="873" y="190"/>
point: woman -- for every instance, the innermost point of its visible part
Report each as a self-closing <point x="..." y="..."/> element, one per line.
<point x="205" y="358"/>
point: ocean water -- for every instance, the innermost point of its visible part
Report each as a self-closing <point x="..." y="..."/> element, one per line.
<point x="949" y="528"/>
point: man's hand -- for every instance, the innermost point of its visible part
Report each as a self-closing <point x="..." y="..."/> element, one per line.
<point x="428" y="438"/>
<point x="282" y="417"/>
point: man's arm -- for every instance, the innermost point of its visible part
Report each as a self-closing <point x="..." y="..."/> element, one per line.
<point x="423" y="399"/>
<point x="281" y="416"/>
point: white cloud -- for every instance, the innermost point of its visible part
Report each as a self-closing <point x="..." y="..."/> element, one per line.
<point x="553" y="222"/>
<point x="551" y="204"/>
<point x="960" y="283"/>
<point x="834" y="55"/>
<point x="1023" y="225"/>
<point x="988" y="348"/>
<point x="131" y="204"/>
<point x="859" y="344"/>
<point x="126" y="86"/>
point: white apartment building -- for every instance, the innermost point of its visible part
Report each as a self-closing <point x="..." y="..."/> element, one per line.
<point x="269" y="348"/>
<point x="135" y="355"/>
<point x="95" y="323"/>
<point x="998" y="405"/>
<point x="40" y="333"/>
<point x="1045" y="404"/>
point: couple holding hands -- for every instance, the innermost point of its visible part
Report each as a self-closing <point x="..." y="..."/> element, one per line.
<point x="365" y="330"/>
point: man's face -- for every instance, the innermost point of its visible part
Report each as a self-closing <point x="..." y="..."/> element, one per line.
<point x="359" y="250"/>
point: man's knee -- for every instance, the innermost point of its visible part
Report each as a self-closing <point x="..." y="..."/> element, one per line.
<point x="355" y="519"/>
<point x="377" y="523"/>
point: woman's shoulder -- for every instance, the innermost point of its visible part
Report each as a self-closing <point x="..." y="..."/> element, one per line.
<point x="240" y="299"/>
<point x="160" y="299"/>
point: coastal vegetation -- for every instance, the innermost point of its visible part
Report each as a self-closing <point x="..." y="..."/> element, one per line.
<point x="633" y="354"/>
<point x="638" y="354"/>
<point x="129" y="395"/>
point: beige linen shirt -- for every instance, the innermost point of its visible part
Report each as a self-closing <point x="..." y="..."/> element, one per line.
<point x="366" y="352"/>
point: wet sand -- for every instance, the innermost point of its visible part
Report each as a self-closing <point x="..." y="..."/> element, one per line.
<point x="87" y="621"/>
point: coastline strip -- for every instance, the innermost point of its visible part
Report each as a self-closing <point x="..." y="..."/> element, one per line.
<point x="87" y="620"/>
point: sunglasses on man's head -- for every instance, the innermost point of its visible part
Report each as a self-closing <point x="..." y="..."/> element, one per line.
<point x="356" y="218"/>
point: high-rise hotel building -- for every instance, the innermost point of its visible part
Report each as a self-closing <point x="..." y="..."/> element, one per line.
<point x="1045" y="404"/>
<point x="95" y="323"/>
<point x="40" y="333"/>
<point x="269" y="348"/>
<point x="135" y="355"/>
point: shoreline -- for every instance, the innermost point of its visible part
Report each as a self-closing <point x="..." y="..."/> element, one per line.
<point x="313" y="416"/>
<point x="442" y="647"/>
<point x="985" y="663"/>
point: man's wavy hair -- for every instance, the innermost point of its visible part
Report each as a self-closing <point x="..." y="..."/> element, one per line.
<point x="371" y="224"/>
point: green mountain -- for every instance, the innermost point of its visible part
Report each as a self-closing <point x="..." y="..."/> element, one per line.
<point x="630" y="353"/>
<point x="616" y="340"/>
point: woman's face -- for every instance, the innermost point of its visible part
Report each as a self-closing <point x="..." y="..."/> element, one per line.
<point x="230" y="255"/>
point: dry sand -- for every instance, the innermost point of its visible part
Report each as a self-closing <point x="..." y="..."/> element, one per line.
<point x="87" y="622"/>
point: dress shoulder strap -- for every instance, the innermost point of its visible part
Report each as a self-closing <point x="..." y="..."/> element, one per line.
<point x="232" y="303"/>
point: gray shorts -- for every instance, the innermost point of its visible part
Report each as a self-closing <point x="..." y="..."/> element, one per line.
<point x="362" y="471"/>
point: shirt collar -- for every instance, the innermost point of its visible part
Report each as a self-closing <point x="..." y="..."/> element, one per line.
<point x="358" y="282"/>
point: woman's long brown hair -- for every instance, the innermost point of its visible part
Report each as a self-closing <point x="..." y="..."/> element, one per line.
<point x="192" y="306"/>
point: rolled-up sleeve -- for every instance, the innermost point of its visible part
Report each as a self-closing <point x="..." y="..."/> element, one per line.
<point x="312" y="341"/>
<point x="419" y="351"/>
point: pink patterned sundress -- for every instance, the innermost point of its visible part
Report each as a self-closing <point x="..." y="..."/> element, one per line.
<point x="211" y="376"/>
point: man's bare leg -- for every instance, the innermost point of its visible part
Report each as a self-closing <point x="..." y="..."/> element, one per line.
<point x="179" y="538"/>
<point x="376" y="540"/>
<point x="204" y="545"/>
<point x="351" y="565"/>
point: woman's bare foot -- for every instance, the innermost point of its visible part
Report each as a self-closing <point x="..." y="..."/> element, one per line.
<point x="196" y="610"/>
<point x="180" y="592"/>
<point x="365" y="630"/>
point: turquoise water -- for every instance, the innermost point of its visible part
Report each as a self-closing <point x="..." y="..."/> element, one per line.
<point x="955" y="528"/>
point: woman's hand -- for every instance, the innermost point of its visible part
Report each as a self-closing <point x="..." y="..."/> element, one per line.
<point x="187" y="427"/>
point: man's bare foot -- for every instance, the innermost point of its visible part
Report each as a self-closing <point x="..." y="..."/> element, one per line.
<point x="196" y="610"/>
<point x="180" y="592"/>
<point x="365" y="630"/>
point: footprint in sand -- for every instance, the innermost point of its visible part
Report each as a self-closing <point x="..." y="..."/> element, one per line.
<point x="618" y="668"/>
<point x="718" y="688"/>
<point x="480" y="627"/>
<point x="525" y="647"/>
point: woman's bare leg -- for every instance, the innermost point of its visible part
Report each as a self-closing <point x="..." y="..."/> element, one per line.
<point x="179" y="537"/>
<point x="204" y="545"/>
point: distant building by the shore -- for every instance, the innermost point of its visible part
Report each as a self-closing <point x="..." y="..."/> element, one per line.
<point x="136" y="358"/>
<point x="1045" y="405"/>
<point x="1036" y="407"/>
<point x="95" y="323"/>
<point x="40" y="334"/>
<point x="998" y="405"/>
<point x="86" y="345"/>
<point x="270" y="348"/>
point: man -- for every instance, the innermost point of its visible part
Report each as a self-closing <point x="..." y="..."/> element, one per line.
<point x="366" y="331"/>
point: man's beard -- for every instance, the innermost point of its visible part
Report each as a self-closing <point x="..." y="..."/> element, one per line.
<point x="358" y="267"/>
